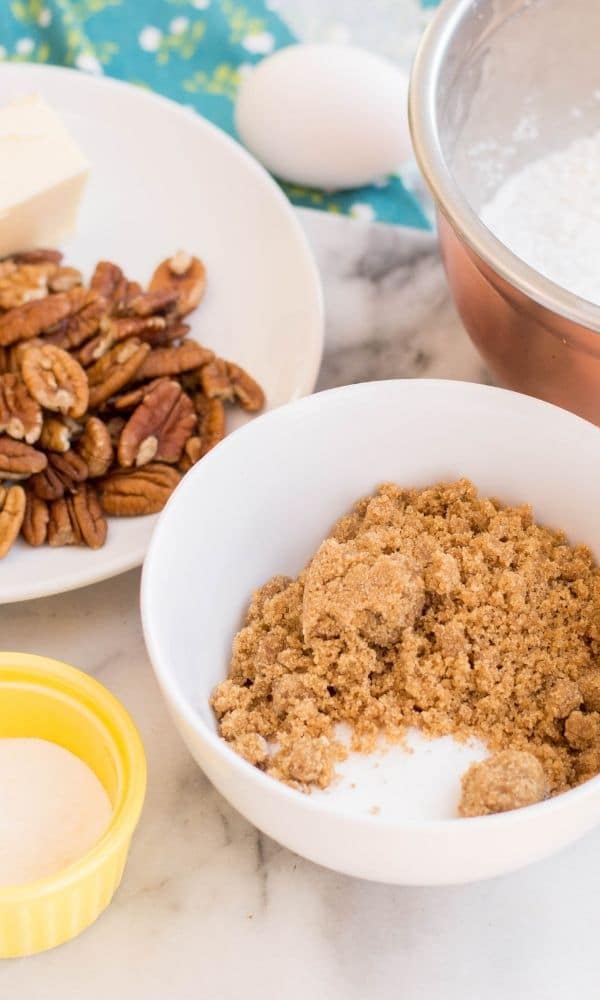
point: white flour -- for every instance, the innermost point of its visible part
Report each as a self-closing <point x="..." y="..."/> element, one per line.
<point x="548" y="214"/>
<point x="52" y="809"/>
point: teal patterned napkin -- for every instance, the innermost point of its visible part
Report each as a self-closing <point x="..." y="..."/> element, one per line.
<point x="193" y="51"/>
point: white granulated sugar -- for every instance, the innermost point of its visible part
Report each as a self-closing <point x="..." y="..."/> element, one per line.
<point x="548" y="214"/>
<point x="53" y="809"/>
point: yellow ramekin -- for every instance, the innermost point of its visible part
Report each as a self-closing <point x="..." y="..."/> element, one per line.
<point x="44" y="698"/>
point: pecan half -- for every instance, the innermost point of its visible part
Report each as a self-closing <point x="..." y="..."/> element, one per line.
<point x="79" y="297"/>
<point x="20" y="414"/>
<point x="82" y="324"/>
<point x="158" y="300"/>
<point x="24" y="283"/>
<point x="144" y="327"/>
<point x="192" y="453"/>
<point x="17" y="351"/>
<point x="215" y="381"/>
<point x="174" y="330"/>
<point x="62" y="527"/>
<point x="71" y="468"/>
<point x="19" y="460"/>
<point x="56" y="434"/>
<point x="225" y="380"/>
<point x="63" y="474"/>
<point x="115" y="369"/>
<point x="211" y="421"/>
<point x="106" y="279"/>
<point x="248" y="393"/>
<point x="35" y="523"/>
<point x="77" y="520"/>
<point x="12" y="512"/>
<point x="132" y="492"/>
<point x="32" y="318"/>
<point x="55" y="379"/>
<point x="47" y="485"/>
<point x="158" y="427"/>
<point x="95" y="447"/>
<point x="86" y="512"/>
<point x="174" y="360"/>
<point x="124" y="295"/>
<point x="39" y="256"/>
<point x="158" y="331"/>
<point x="113" y="331"/>
<point x="64" y="279"/>
<point x="133" y="397"/>
<point x="185" y="274"/>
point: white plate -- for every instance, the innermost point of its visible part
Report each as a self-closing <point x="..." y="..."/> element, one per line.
<point x="164" y="178"/>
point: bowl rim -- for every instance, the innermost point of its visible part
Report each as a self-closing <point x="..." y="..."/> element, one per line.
<point x="83" y="689"/>
<point x="246" y="771"/>
<point x="450" y="200"/>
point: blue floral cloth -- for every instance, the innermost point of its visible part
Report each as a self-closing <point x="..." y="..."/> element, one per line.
<point x="193" y="51"/>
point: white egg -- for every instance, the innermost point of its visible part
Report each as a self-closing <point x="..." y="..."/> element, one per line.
<point x="327" y="116"/>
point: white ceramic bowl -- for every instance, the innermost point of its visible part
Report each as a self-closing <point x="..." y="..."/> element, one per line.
<point x="261" y="503"/>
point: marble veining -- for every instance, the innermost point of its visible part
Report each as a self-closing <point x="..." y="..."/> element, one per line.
<point x="387" y="305"/>
<point x="209" y="907"/>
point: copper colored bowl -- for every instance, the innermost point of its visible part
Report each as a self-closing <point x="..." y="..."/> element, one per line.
<point x="497" y="83"/>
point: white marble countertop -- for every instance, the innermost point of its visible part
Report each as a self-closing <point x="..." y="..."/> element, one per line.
<point x="209" y="908"/>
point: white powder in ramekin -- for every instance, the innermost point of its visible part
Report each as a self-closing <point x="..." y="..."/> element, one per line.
<point x="53" y="809"/>
<point x="548" y="214"/>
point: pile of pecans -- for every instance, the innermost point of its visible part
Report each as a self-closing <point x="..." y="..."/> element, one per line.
<point x="104" y="403"/>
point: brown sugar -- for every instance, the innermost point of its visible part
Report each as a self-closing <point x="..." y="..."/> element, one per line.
<point x="506" y="780"/>
<point x="433" y="608"/>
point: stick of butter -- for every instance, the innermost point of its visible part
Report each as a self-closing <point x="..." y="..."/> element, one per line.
<point x="42" y="176"/>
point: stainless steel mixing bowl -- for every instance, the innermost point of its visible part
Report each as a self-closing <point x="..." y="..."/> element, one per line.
<point x="496" y="84"/>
